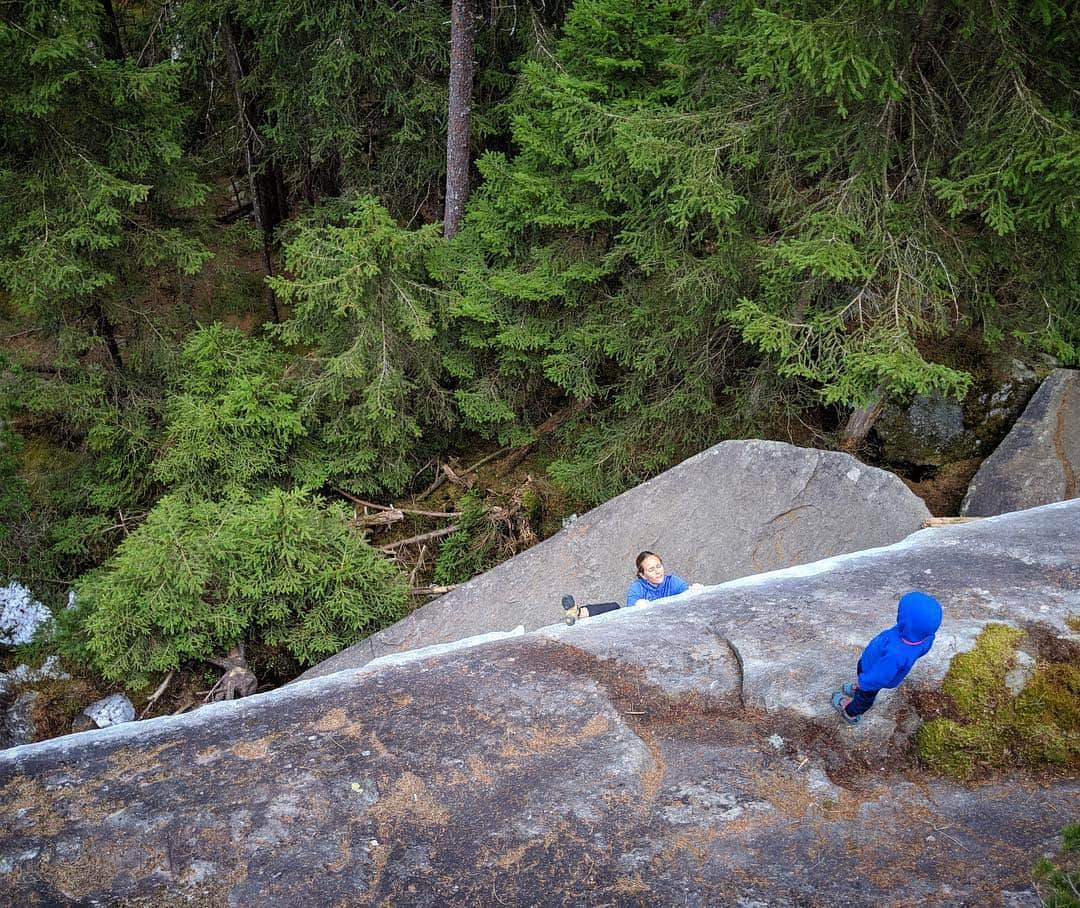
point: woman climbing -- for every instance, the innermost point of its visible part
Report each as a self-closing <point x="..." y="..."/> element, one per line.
<point x="651" y="584"/>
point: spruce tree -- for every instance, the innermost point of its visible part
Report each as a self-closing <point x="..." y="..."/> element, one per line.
<point x="703" y="200"/>
<point x="92" y="167"/>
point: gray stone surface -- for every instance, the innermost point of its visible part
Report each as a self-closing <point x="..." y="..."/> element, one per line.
<point x="1038" y="461"/>
<point x="20" y="615"/>
<point x="114" y="709"/>
<point x="935" y="430"/>
<point x="17" y="718"/>
<point x="629" y="759"/>
<point x="17" y="702"/>
<point x="741" y="507"/>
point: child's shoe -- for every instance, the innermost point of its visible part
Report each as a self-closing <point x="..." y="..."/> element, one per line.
<point x="571" y="609"/>
<point x="839" y="703"/>
<point x="848" y="689"/>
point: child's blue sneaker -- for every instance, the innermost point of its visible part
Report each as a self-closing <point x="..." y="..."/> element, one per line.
<point x="848" y="689"/>
<point x="570" y="609"/>
<point x="839" y="702"/>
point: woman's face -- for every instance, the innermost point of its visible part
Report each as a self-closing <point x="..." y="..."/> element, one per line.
<point x="652" y="569"/>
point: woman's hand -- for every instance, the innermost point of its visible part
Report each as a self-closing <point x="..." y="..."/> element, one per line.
<point x="694" y="587"/>
<point x="641" y="602"/>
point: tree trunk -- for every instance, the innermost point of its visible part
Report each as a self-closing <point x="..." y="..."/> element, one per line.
<point x="265" y="198"/>
<point x="861" y="421"/>
<point x="114" y="42"/>
<point x="108" y="332"/>
<point x="462" y="70"/>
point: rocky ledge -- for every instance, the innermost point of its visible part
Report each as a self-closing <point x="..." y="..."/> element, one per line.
<point x="682" y="753"/>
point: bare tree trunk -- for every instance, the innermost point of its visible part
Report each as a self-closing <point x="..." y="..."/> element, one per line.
<point x="257" y="187"/>
<point x="861" y="421"/>
<point x="114" y="42"/>
<point x="108" y="332"/>
<point x="462" y="70"/>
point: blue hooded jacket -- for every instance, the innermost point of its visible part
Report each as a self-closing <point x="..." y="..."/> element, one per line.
<point x="671" y="585"/>
<point x="889" y="657"/>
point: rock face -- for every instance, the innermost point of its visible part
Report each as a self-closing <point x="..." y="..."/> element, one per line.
<point x="933" y="430"/>
<point x="17" y="702"/>
<point x="17" y="719"/>
<point x="1039" y="460"/>
<point x="739" y="508"/>
<point x="682" y="753"/>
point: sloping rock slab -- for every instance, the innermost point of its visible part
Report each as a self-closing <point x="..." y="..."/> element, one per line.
<point x="608" y="763"/>
<point x="741" y="507"/>
<point x="1039" y="460"/>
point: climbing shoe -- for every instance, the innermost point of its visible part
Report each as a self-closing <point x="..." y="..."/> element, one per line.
<point x="839" y="703"/>
<point x="570" y="608"/>
<point x="848" y="689"/>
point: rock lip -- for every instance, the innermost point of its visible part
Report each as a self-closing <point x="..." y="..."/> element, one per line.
<point x="738" y="508"/>
<point x="1039" y="460"/>
<point x="629" y="759"/>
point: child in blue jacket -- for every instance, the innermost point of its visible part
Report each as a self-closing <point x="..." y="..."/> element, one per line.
<point x="889" y="657"/>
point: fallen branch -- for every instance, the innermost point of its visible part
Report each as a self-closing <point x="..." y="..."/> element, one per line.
<point x="455" y="479"/>
<point x="380" y="518"/>
<point x="156" y="695"/>
<point x="432" y="590"/>
<point x="442" y="477"/>
<point x="861" y="420"/>
<point x="947" y="521"/>
<point x="548" y="426"/>
<point x="393" y="507"/>
<point x="418" y="565"/>
<point x="230" y="216"/>
<point x="423" y="537"/>
<point x="439" y="480"/>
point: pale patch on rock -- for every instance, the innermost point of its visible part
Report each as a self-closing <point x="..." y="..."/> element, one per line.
<point x="1019" y="675"/>
<point x="114" y="709"/>
<point x="20" y="615"/>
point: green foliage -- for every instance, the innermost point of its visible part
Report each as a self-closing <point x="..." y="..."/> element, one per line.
<point x="90" y="161"/>
<point x="694" y="192"/>
<point x="470" y="550"/>
<point x="93" y="177"/>
<point x="200" y="576"/>
<point x="1039" y="727"/>
<point x="356" y="96"/>
<point x="13" y="490"/>
<point x="1061" y="877"/>
<point x="229" y="423"/>
<point x="84" y="461"/>
<point x="370" y="385"/>
<point x="587" y="265"/>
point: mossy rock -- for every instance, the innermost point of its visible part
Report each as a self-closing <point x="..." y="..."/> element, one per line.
<point x="1039" y="727"/>
<point x="934" y="429"/>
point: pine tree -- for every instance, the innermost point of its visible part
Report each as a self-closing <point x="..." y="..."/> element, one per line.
<point x="803" y="194"/>
<point x="91" y="167"/>
<point x="198" y="577"/>
<point x="370" y="385"/>
<point x="94" y="183"/>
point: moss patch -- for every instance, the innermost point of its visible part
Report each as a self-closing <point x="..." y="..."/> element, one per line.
<point x="1039" y="727"/>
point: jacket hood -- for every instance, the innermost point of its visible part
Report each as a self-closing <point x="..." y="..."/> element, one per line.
<point x="918" y="616"/>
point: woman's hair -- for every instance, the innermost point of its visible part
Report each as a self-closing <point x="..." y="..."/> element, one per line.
<point x="643" y="555"/>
